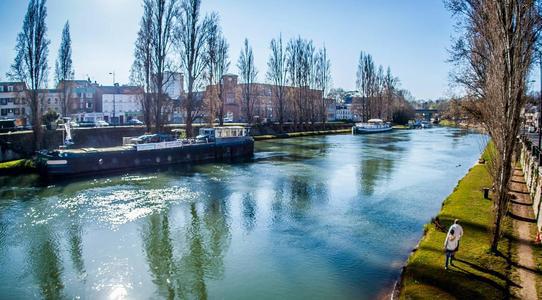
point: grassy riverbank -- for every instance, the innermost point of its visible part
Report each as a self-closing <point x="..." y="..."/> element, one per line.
<point x="17" y="167"/>
<point x="477" y="274"/>
<point x="448" y="123"/>
<point x="301" y="134"/>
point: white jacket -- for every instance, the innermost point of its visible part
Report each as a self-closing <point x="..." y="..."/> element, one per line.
<point x="451" y="242"/>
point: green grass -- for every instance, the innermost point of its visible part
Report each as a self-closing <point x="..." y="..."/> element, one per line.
<point x="447" y="123"/>
<point x="478" y="274"/>
<point x="21" y="163"/>
<point x="16" y="167"/>
<point x="300" y="134"/>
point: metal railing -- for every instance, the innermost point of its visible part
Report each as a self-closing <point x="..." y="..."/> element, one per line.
<point x="533" y="149"/>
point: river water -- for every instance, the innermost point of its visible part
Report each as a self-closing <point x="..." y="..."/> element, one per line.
<point x="328" y="217"/>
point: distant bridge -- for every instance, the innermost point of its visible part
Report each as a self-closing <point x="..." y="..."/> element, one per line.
<point x="426" y="114"/>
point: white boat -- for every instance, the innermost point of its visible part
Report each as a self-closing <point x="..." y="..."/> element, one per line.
<point x="372" y="126"/>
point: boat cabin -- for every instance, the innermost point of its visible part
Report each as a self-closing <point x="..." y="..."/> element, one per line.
<point x="211" y="134"/>
<point x="375" y="121"/>
<point x="153" y="138"/>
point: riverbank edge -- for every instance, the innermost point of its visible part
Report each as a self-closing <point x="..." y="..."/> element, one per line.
<point x="27" y="166"/>
<point x="477" y="177"/>
<point x="17" y="167"/>
<point x="300" y="134"/>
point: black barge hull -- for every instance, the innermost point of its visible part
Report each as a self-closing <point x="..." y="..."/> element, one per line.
<point x="125" y="158"/>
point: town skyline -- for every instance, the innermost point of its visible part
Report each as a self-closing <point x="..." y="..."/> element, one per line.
<point x="422" y="68"/>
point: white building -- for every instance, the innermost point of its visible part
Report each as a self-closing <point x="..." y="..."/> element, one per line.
<point x="13" y="103"/>
<point x="50" y="100"/>
<point x="343" y="112"/>
<point x="173" y="85"/>
<point x="122" y="104"/>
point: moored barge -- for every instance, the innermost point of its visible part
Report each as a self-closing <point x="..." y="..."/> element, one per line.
<point x="372" y="126"/>
<point x="213" y="144"/>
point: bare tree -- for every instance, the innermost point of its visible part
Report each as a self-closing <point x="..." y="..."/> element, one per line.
<point x="217" y="65"/>
<point x="191" y="39"/>
<point x="221" y="70"/>
<point x="378" y="104"/>
<point x="142" y="68"/>
<point x="248" y="73"/>
<point x="390" y="84"/>
<point x="30" y="64"/>
<point x="365" y="82"/>
<point x="323" y="78"/>
<point x="494" y="53"/>
<point x="64" y="67"/>
<point x="152" y="66"/>
<point x="277" y="75"/>
<point x="301" y="67"/>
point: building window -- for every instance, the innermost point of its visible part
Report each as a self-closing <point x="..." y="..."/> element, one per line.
<point x="17" y="111"/>
<point x="230" y="99"/>
<point x="48" y="100"/>
<point x="10" y="88"/>
<point x="3" y="101"/>
<point x="16" y="101"/>
<point x="3" y="112"/>
<point x="22" y="111"/>
<point x="89" y="105"/>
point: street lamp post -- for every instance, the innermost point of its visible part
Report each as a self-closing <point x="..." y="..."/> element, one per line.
<point x="114" y="104"/>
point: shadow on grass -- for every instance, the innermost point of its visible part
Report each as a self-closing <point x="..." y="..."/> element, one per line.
<point x="519" y="192"/>
<point x="520" y="218"/>
<point x="458" y="282"/>
<point x="515" y="264"/>
<point x="520" y="203"/>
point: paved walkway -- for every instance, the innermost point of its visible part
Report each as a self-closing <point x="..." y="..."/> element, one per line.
<point x="523" y="218"/>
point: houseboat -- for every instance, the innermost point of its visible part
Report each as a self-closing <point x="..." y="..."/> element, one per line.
<point x="372" y="126"/>
<point x="151" y="150"/>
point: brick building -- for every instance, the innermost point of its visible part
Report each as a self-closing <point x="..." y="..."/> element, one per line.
<point x="13" y="102"/>
<point x="265" y="104"/>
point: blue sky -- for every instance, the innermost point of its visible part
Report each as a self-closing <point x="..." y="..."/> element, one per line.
<point x="411" y="36"/>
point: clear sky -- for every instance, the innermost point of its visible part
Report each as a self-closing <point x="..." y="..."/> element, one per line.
<point x="411" y="36"/>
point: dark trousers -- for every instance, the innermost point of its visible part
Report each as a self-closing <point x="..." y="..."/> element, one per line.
<point x="449" y="257"/>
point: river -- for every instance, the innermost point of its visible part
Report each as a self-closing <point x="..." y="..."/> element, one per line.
<point x="327" y="217"/>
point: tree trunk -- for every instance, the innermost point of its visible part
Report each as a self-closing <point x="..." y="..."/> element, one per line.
<point x="188" y="122"/>
<point x="36" y="121"/>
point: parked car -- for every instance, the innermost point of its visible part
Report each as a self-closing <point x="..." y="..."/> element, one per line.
<point x="101" y="123"/>
<point x="134" y="122"/>
<point x="87" y="124"/>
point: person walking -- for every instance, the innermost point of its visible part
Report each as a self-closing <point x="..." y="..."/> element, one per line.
<point x="457" y="228"/>
<point x="450" y="246"/>
<point x="458" y="232"/>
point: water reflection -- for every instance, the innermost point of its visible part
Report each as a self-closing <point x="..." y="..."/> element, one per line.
<point x="76" y="248"/>
<point x="45" y="262"/>
<point x="371" y="170"/>
<point x="311" y="218"/>
<point x="159" y="251"/>
<point x="249" y="212"/>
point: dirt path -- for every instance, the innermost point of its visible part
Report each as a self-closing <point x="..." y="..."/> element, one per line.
<point x="522" y="213"/>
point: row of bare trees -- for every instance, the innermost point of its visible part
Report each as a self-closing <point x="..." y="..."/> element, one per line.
<point x="493" y="54"/>
<point x="31" y="67"/>
<point x="175" y="37"/>
<point x="377" y="89"/>
<point x="301" y="77"/>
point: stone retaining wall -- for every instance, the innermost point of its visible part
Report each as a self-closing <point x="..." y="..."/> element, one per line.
<point x="530" y="162"/>
<point x="18" y="145"/>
